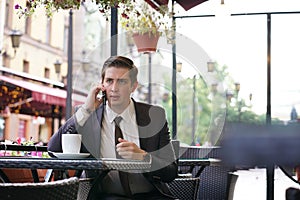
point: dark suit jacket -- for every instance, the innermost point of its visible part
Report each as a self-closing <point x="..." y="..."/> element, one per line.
<point x="154" y="138"/>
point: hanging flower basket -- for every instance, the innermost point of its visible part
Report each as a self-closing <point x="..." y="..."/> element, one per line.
<point x="65" y="4"/>
<point x="146" y="42"/>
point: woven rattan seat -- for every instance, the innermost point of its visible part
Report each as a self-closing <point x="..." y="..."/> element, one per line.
<point x="85" y="185"/>
<point x="181" y="188"/>
<point x="65" y="189"/>
<point x="217" y="182"/>
<point x="185" y="188"/>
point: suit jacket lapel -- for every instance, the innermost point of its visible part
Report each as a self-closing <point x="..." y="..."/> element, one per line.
<point x="91" y="132"/>
<point x="142" y="119"/>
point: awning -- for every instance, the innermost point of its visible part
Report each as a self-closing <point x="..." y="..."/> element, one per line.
<point x="186" y="4"/>
<point x="26" y="97"/>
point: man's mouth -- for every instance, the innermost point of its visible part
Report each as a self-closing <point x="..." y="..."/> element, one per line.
<point x="114" y="97"/>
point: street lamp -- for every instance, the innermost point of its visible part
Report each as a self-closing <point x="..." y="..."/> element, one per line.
<point x="210" y="66"/>
<point x="179" y="66"/>
<point x="229" y="96"/>
<point x="85" y="62"/>
<point x="15" y="41"/>
<point x="239" y="103"/>
<point x="237" y="87"/>
<point x="85" y="65"/>
<point x="15" y="38"/>
<point x="214" y="88"/>
<point x="57" y="66"/>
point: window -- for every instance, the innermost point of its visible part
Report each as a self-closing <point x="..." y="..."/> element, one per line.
<point x="26" y="66"/>
<point x="5" y="60"/>
<point x="47" y="73"/>
<point x="284" y="71"/>
<point x="8" y="16"/>
<point x="22" y="128"/>
<point x="48" y="31"/>
<point x="28" y="22"/>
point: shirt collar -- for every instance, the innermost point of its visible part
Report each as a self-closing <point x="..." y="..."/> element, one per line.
<point x="126" y="114"/>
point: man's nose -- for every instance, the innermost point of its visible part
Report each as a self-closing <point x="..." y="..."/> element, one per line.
<point x="115" y="86"/>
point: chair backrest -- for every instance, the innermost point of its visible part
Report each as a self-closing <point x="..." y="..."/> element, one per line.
<point x="214" y="179"/>
<point x="85" y="185"/>
<point x="65" y="189"/>
<point x="185" y="188"/>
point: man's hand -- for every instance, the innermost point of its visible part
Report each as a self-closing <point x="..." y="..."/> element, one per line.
<point x="130" y="150"/>
<point x="92" y="102"/>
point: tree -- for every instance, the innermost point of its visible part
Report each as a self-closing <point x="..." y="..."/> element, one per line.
<point x="211" y="107"/>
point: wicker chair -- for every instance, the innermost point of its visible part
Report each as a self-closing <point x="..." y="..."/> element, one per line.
<point x="217" y="182"/>
<point x="65" y="189"/>
<point x="185" y="188"/>
<point x="85" y="184"/>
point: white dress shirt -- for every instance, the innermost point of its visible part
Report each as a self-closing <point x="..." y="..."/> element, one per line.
<point x="128" y="125"/>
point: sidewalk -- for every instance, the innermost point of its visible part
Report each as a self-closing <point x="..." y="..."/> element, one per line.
<point x="251" y="184"/>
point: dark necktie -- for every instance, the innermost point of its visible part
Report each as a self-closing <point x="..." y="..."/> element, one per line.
<point x="123" y="175"/>
<point x="118" y="132"/>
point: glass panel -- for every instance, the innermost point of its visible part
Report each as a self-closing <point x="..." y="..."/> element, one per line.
<point x="285" y="66"/>
<point x="238" y="46"/>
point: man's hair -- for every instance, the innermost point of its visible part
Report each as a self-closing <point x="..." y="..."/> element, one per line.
<point x="120" y="62"/>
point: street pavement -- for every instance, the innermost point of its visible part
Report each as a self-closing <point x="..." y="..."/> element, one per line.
<point x="251" y="184"/>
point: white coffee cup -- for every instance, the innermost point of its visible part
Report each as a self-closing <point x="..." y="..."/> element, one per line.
<point x="71" y="143"/>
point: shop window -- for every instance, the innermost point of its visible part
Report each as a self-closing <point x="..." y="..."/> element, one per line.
<point x="22" y="128"/>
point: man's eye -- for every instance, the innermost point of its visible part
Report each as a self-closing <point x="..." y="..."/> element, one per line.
<point x="109" y="81"/>
<point x="122" y="82"/>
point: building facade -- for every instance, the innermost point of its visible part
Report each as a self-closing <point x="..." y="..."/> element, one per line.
<point x="36" y="111"/>
<point x="43" y="43"/>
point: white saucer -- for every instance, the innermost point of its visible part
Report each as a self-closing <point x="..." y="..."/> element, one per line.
<point x="70" y="155"/>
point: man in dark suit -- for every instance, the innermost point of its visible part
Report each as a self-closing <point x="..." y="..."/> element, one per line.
<point x="144" y="128"/>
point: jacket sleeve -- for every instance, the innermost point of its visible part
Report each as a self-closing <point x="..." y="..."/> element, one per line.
<point x="155" y="139"/>
<point x="90" y="134"/>
<point x="164" y="166"/>
<point x="54" y="143"/>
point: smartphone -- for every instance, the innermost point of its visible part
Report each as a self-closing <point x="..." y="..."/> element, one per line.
<point x="104" y="97"/>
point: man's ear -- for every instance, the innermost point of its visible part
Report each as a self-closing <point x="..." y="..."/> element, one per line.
<point x="134" y="86"/>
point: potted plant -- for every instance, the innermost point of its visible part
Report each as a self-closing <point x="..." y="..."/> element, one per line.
<point x="146" y="25"/>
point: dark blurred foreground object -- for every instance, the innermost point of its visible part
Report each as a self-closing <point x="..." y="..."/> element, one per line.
<point x="292" y="194"/>
<point x="65" y="189"/>
<point x="257" y="145"/>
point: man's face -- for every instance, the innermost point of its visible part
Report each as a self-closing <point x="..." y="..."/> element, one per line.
<point x="118" y="88"/>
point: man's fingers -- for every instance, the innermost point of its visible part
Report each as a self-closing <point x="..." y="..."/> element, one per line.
<point x="122" y="140"/>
